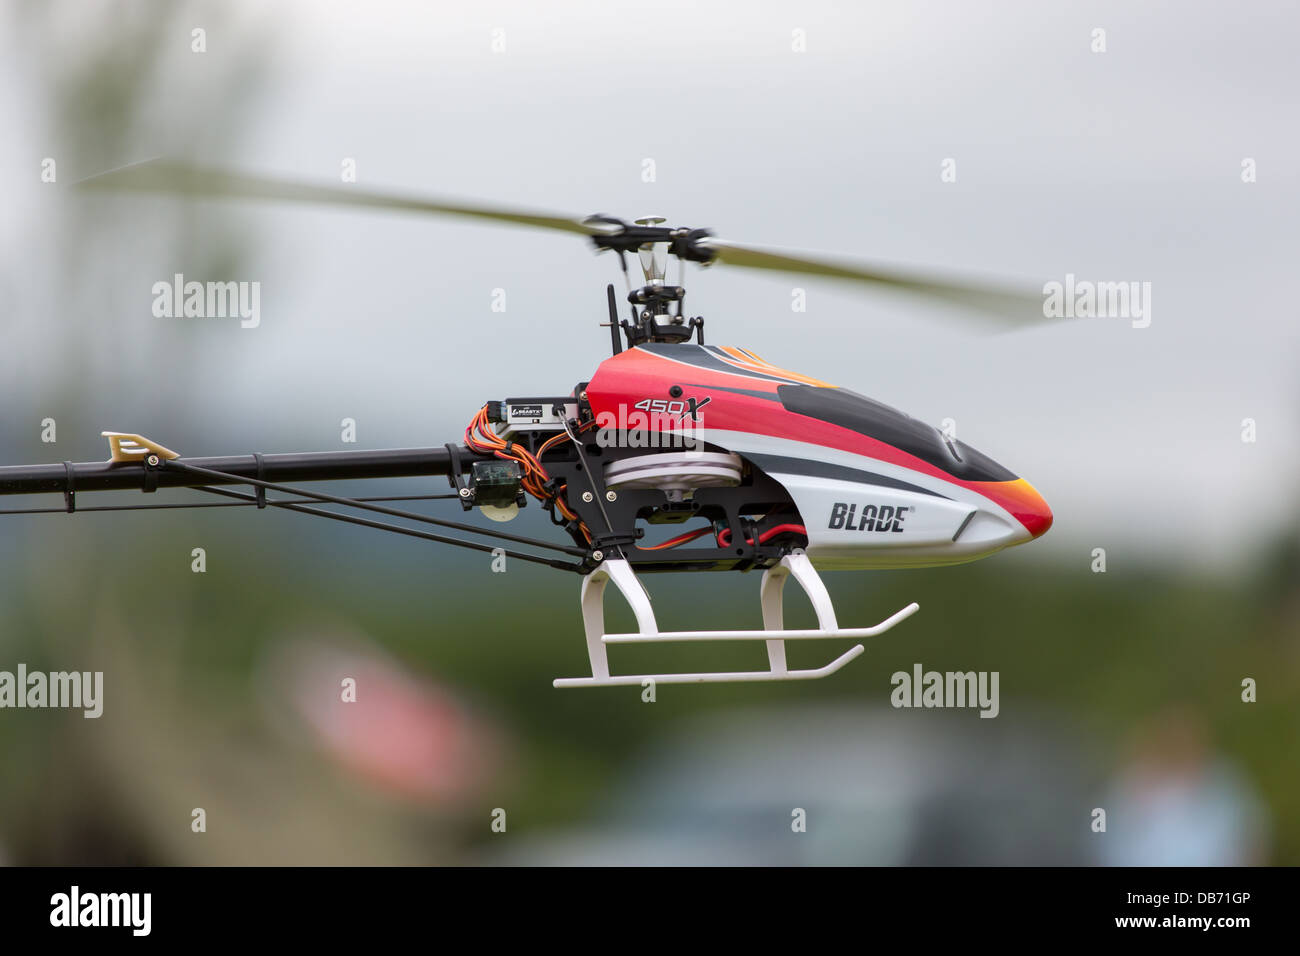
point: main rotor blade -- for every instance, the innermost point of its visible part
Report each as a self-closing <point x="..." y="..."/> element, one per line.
<point x="1013" y="305"/>
<point x="1010" y="305"/>
<point x="183" y="179"/>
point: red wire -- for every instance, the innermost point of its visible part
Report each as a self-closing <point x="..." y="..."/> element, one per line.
<point x="724" y="536"/>
<point x="674" y="542"/>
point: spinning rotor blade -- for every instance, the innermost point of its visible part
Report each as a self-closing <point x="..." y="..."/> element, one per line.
<point x="183" y="179"/>
<point x="1013" y="305"/>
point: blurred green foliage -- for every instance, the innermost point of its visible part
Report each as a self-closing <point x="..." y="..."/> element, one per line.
<point x="1099" y="653"/>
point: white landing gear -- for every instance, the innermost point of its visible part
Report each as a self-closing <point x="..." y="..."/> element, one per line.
<point x="618" y="571"/>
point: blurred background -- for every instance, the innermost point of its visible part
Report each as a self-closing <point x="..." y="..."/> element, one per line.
<point x="1119" y="690"/>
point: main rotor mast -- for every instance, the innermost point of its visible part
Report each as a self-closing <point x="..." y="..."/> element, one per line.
<point x="657" y="308"/>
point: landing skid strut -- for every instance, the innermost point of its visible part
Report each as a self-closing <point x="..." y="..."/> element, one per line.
<point x="795" y="564"/>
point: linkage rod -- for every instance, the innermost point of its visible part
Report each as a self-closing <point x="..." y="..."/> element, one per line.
<point x="398" y="529"/>
<point x="177" y="463"/>
<point x="169" y="506"/>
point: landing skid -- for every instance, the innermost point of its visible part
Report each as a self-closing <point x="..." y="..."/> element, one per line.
<point x="774" y="633"/>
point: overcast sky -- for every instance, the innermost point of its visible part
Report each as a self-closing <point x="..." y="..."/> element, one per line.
<point x="1123" y="165"/>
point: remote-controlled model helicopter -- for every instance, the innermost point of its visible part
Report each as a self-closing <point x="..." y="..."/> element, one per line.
<point x="763" y="468"/>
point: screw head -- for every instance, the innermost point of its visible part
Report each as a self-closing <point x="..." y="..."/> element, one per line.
<point x="582" y="396"/>
<point x="464" y="492"/>
<point x="588" y="496"/>
<point x="611" y="496"/>
<point x="598" y="555"/>
<point x="152" y="461"/>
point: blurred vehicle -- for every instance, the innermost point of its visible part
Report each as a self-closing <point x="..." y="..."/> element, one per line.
<point x="878" y="787"/>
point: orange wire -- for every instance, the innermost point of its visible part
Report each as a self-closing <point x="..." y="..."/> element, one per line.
<point x="674" y="542"/>
<point x="480" y="436"/>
